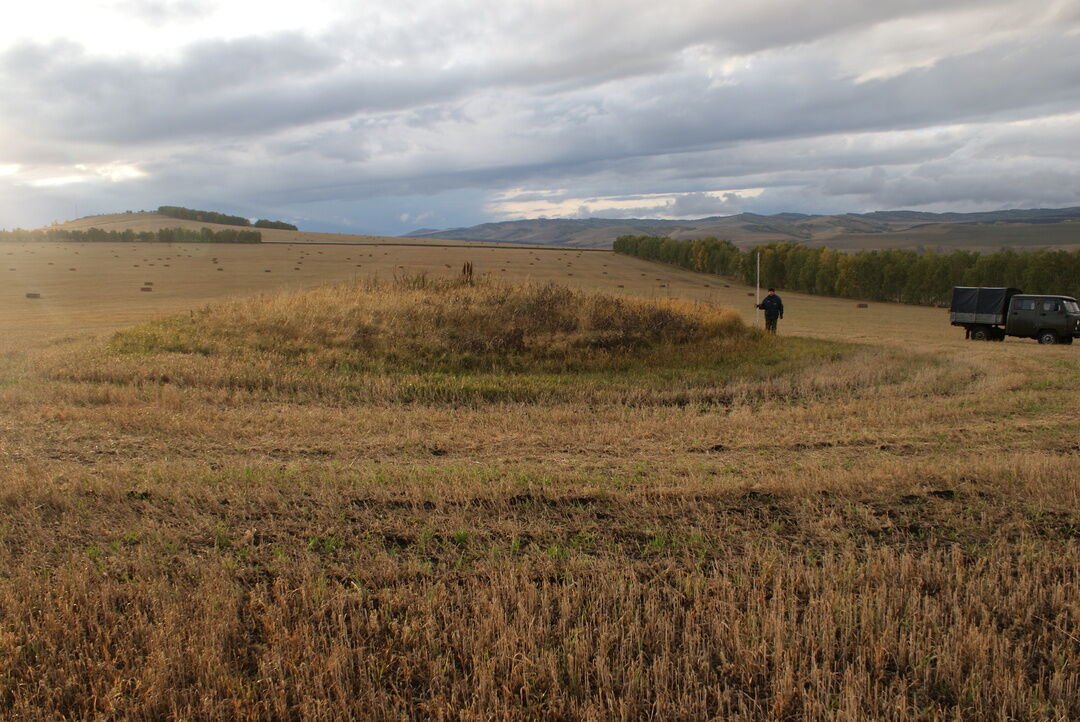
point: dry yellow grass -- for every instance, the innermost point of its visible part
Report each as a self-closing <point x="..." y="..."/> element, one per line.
<point x="886" y="530"/>
<point x="103" y="292"/>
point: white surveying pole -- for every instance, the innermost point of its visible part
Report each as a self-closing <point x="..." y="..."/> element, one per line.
<point x="757" y="290"/>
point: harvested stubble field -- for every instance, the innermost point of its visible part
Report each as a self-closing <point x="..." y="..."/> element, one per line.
<point x="418" y="499"/>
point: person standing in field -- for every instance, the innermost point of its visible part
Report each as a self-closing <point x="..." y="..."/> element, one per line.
<point x="773" y="308"/>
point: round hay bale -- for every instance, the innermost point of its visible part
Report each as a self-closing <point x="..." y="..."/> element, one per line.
<point x="33" y="295"/>
<point x="146" y="288"/>
<point x="862" y="305"/>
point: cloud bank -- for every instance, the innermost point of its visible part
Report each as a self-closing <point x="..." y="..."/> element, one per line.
<point x="375" y="119"/>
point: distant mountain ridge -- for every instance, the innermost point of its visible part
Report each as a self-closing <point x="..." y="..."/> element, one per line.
<point x="1036" y="227"/>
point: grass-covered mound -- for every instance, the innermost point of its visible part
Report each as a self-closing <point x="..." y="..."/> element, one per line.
<point x="417" y="339"/>
<point x="420" y="324"/>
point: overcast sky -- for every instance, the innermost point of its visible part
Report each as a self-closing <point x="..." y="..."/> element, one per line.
<point x="386" y="116"/>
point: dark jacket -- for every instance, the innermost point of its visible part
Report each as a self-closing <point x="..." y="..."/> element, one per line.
<point x="772" y="306"/>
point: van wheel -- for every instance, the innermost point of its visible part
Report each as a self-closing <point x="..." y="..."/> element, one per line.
<point x="982" y="333"/>
<point x="1047" y="337"/>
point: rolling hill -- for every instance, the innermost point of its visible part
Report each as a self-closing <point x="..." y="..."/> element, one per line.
<point x="1035" y="228"/>
<point x="149" y="221"/>
<point x="987" y="231"/>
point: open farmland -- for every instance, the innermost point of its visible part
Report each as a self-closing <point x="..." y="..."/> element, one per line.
<point x="96" y="286"/>
<point x="93" y="287"/>
<point x="259" y="508"/>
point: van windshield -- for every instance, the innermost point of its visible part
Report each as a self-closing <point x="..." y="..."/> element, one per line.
<point x="1071" y="307"/>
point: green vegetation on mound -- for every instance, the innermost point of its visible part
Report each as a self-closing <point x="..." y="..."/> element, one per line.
<point x="190" y="214"/>
<point x="279" y="225"/>
<point x="419" y="340"/>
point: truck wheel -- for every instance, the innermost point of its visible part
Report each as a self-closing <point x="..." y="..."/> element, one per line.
<point x="981" y="333"/>
<point x="1047" y="337"/>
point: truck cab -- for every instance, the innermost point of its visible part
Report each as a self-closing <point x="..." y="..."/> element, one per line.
<point x="991" y="314"/>
<point x="1050" y="319"/>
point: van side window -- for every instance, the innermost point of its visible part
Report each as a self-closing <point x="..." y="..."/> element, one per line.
<point x="1050" y="306"/>
<point x="1026" y="304"/>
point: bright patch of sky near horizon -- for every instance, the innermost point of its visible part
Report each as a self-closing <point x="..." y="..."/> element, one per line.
<point x="373" y="117"/>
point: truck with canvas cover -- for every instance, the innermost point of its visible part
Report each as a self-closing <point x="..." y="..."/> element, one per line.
<point x="991" y="314"/>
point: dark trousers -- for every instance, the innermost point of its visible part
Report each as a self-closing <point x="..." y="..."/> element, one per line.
<point x="770" y="324"/>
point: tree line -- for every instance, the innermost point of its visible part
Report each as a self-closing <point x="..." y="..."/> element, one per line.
<point x="190" y="214"/>
<point x="281" y="225"/>
<point x="163" y="235"/>
<point x="904" y="276"/>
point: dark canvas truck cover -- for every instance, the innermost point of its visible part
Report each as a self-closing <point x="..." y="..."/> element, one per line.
<point x="980" y="305"/>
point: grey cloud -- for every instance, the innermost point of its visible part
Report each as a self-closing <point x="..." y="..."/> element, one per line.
<point x="1018" y="187"/>
<point x="977" y="184"/>
<point x="260" y="85"/>
<point x="1053" y="138"/>
<point x="159" y="12"/>
<point x="215" y="87"/>
<point x="855" y="183"/>
<point x="805" y="99"/>
<point x="704" y="204"/>
<point x="605" y="34"/>
<point x="606" y="99"/>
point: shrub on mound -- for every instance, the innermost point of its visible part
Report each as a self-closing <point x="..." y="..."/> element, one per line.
<point x="421" y="324"/>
